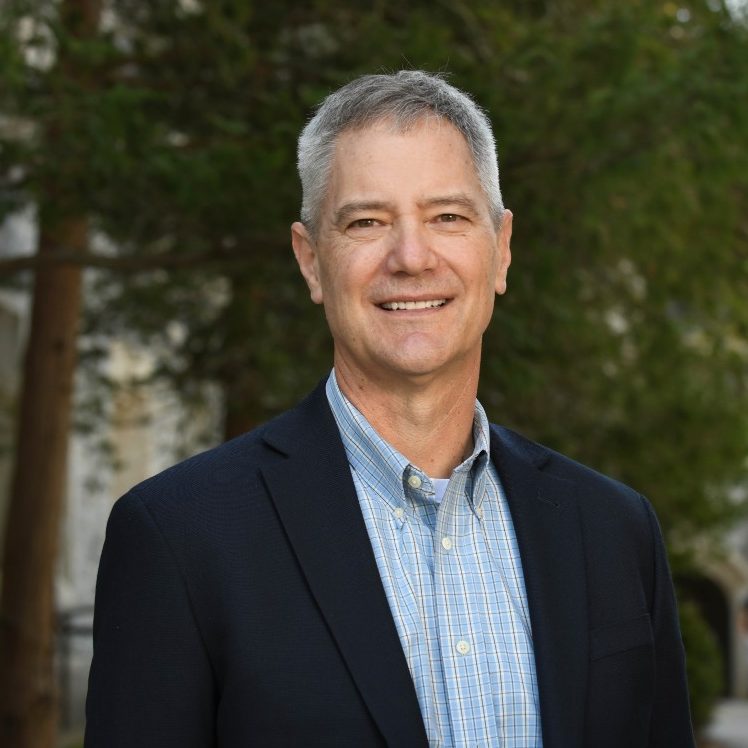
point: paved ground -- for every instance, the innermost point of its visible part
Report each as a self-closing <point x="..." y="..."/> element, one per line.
<point x="730" y="726"/>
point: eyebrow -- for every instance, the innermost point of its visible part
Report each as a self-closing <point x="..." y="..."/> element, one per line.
<point x="459" y="199"/>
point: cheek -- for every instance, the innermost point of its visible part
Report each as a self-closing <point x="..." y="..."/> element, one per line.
<point x="487" y="294"/>
<point x="493" y="276"/>
<point x="484" y="278"/>
<point x="328" y="278"/>
<point x="339" y="293"/>
<point x="345" y="279"/>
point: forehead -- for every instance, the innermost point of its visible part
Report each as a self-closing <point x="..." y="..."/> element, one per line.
<point x="432" y="155"/>
<point x="381" y="131"/>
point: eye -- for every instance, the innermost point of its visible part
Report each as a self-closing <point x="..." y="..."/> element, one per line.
<point x="363" y="223"/>
<point x="364" y="228"/>
<point x="450" y="222"/>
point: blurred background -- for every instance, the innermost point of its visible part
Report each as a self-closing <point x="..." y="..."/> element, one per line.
<point x="150" y="306"/>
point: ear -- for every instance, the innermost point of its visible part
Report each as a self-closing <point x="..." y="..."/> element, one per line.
<point x="503" y="239"/>
<point x="306" y="255"/>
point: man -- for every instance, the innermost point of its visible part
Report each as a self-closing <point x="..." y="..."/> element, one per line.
<point x="380" y="566"/>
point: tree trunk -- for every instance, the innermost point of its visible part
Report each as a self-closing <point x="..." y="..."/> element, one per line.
<point x="28" y="703"/>
<point x="28" y="685"/>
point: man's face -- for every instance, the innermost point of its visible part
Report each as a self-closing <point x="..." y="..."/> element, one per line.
<point x="407" y="260"/>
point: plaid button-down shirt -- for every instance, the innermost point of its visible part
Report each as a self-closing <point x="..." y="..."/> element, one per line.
<point x="453" y="578"/>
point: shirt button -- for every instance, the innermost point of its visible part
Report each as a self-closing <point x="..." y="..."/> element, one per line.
<point x="479" y="512"/>
<point x="447" y="544"/>
<point x="399" y="512"/>
<point x="462" y="647"/>
<point x="414" y="481"/>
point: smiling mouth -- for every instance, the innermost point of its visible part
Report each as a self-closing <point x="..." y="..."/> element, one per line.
<point x="392" y="306"/>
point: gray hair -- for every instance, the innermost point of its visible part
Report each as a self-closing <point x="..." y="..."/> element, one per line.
<point x="405" y="98"/>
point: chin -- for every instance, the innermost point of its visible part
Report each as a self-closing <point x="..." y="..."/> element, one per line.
<point x="415" y="366"/>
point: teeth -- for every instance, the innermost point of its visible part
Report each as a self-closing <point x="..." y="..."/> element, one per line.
<point x="400" y="305"/>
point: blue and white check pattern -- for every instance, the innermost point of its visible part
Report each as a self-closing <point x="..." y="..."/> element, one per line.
<point x="453" y="578"/>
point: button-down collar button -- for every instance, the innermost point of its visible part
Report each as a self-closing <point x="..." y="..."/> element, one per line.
<point x="414" y="481"/>
<point x="399" y="512"/>
<point x="447" y="543"/>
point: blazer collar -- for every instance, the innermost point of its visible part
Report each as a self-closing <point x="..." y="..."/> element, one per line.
<point x="545" y="516"/>
<point x="316" y="500"/>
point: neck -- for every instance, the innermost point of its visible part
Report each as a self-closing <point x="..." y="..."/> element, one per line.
<point x="430" y="422"/>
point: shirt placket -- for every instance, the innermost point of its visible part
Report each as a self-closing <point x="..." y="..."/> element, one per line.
<point x="460" y="618"/>
<point x="420" y="515"/>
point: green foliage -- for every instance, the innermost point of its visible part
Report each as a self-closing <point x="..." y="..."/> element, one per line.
<point x="703" y="664"/>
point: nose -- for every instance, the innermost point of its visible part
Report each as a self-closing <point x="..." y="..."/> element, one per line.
<point x="411" y="251"/>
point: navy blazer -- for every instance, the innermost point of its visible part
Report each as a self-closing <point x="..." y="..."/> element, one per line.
<point x="239" y="604"/>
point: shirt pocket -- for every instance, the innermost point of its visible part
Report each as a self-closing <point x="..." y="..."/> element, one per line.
<point x="614" y="638"/>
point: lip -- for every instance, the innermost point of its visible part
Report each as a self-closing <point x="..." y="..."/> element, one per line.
<point x="433" y="296"/>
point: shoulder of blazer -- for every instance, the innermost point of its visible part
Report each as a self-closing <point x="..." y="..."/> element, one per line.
<point x="237" y="462"/>
<point x="594" y="492"/>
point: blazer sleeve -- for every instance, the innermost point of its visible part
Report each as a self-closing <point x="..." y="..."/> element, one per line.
<point x="671" y="714"/>
<point x="151" y="682"/>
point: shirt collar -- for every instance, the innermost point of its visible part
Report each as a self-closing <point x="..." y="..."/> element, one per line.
<point x="369" y="453"/>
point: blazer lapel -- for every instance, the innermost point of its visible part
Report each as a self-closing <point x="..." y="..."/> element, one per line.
<point x="315" y="497"/>
<point x="550" y="543"/>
